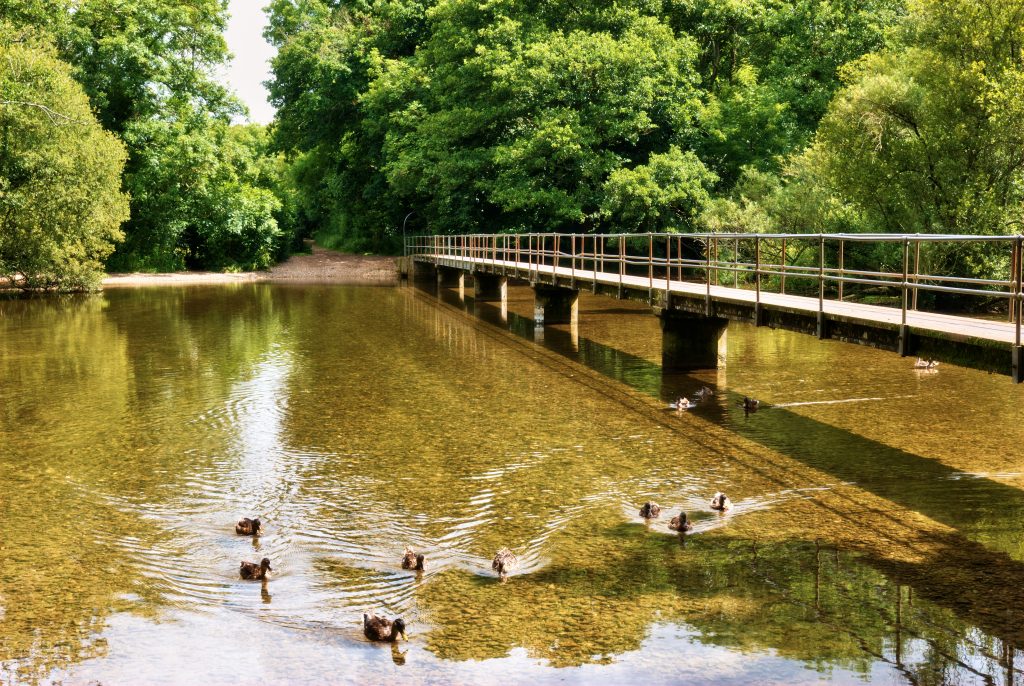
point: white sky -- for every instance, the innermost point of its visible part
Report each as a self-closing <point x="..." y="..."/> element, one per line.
<point x="250" y="67"/>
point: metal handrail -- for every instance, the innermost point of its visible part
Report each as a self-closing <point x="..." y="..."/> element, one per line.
<point x="656" y="258"/>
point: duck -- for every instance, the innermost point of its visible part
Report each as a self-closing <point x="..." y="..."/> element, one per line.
<point x="925" y="364"/>
<point x="750" y="404"/>
<point x="681" y="404"/>
<point x="704" y="392"/>
<point x="248" y="527"/>
<point x="680" y="523"/>
<point x="650" y="510"/>
<point x="721" y="502"/>
<point x="380" y="629"/>
<point x="504" y="561"/>
<point x="251" y="570"/>
<point x="410" y="560"/>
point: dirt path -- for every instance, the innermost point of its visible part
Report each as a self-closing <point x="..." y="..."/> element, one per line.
<point x="322" y="266"/>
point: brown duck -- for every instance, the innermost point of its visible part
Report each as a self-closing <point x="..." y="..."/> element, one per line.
<point x="650" y="510"/>
<point x="380" y="629"/>
<point x="721" y="502"/>
<point x="680" y="523"/>
<point x="248" y="527"/>
<point x="504" y="561"/>
<point x="251" y="570"/>
<point x="410" y="560"/>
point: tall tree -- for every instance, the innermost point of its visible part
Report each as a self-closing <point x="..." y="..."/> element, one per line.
<point x="928" y="135"/>
<point x="61" y="204"/>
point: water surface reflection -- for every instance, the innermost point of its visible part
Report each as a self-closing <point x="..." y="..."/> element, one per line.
<point x="137" y="426"/>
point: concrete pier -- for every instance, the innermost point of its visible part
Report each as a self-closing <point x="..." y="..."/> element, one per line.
<point x="690" y="342"/>
<point x="490" y="287"/>
<point x="555" y="305"/>
<point x="449" y="278"/>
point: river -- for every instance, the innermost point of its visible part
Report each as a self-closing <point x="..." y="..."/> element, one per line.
<point x="876" y="533"/>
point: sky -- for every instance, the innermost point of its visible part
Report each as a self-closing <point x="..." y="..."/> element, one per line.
<point x="250" y="66"/>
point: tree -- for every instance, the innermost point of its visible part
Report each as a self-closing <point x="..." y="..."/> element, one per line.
<point x="203" y="194"/>
<point x="928" y="134"/>
<point x="61" y="204"/>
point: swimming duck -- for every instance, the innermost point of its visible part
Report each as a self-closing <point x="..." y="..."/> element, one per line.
<point x="248" y="527"/>
<point x="680" y="523"/>
<point x="704" y="392"/>
<point x="925" y="364"/>
<point x="251" y="570"/>
<point x="721" y="502"/>
<point x="681" y="404"/>
<point x="412" y="561"/>
<point x="504" y="561"/>
<point x="650" y="510"/>
<point x="750" y="404"/>
<point x="380" y="629"/>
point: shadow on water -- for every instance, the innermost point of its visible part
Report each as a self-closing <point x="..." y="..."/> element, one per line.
<point x="984" y="585"/>
<point x="845" y="455"/>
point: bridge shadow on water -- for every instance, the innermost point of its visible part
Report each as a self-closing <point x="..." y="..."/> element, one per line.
<point x="983" y="585"/>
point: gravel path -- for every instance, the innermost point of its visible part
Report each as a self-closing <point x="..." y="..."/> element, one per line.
<point x="322" y="266"/>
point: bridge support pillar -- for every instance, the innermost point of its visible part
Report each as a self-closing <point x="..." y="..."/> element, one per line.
<point x="422" y="271"/>
<point x="691" y="342"/>
<point x="1017" y="364"/>
<point x="448" y="277"/>
<point x="903" y="342"/>
<point x="554" y="305"/>
<point x="489" y="287"/>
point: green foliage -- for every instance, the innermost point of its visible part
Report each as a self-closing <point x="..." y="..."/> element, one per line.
<point x="926" y="136"/>
<point x="669" y="190"/>
<point x="513" y="116"/>
<point x="204" y="193"/>
<point x="140" y="59"/>
<point x="61" y="204"/>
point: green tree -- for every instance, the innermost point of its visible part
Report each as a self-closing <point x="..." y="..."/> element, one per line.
<point x="936" y="122"/>
<point x="61" y="204"/>
<point x="204" y="197"/>
<point x="927" y="135"/>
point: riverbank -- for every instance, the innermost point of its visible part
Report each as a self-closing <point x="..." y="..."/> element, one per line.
<point x="321" y="266"/>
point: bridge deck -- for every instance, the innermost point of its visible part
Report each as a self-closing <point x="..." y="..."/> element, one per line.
<point x="954" y="326"/>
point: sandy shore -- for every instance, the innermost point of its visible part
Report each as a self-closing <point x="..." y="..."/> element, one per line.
<point x="322" y="266"/>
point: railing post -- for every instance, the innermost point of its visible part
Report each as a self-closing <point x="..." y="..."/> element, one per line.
<point x="757" y="281"/>
<point x="736" y="263"/>
<point x="650" y="260"/>
<point x="668" y="268"/>
<point x="716" y="260"/>
<point x="1017" y="355"/>
<point x="903" y="337"/>
<point x="821" y="287"/>
<point x="622" y="262"/>
<point x="782" y="282"/>
<point x="842" y="249"/>
<point x="707" y="276"/>
<point x="679" y="253"/>
<point x="917" y="270"/>
<point x="572" y="265"/>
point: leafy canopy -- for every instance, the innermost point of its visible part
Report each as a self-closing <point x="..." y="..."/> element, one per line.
<point x="61" y="204"/>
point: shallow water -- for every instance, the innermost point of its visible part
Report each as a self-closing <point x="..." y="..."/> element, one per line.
<point x="876" y="534"/>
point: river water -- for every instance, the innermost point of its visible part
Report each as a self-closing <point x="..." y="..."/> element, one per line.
<point x="876" y="534"/>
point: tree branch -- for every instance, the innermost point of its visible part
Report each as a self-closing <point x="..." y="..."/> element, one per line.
<point x="53" y="115"/>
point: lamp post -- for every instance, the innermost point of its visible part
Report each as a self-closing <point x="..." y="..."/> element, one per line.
<point x="405" y="249"/>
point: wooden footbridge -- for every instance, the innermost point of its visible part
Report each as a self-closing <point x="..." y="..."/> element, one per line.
<point x="801" y="282"/>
